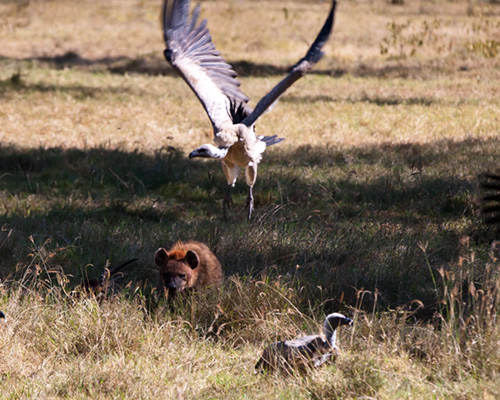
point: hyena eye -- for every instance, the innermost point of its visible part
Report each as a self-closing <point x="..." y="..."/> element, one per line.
<point x="182" y="276"/>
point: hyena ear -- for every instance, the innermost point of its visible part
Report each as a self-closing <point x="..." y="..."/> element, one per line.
<point x="161" y="256"/>
<point x="192" y="259"/>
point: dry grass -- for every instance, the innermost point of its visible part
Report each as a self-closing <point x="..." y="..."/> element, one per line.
<point x="369" y="206"/>
<point x="57" y="346"/>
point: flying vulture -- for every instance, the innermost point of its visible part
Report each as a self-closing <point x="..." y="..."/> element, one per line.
<point x="305" y="352"/>
<point x="191" y="52"/>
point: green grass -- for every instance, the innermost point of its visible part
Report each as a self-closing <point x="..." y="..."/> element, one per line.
<point x="369" y="207"/>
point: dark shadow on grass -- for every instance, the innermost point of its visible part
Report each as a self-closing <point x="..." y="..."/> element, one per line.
<point x="379" y="101"/>
<point x="318" y="208"/>
<point x="410" y="101"/>
<point x="155" y="64"/>
<point x="410" y="154"/>
<point x="152" y="65"/>
<point x="418" y="182"/>
<point x="408" y="172"/>
<point x="94" y="169"/>
<point x="17" y="84"/>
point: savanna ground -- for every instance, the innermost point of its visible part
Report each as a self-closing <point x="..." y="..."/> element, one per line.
<point x="370" y="206"/>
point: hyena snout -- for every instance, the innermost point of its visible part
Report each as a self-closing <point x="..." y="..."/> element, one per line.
<point x="174" y="283"/>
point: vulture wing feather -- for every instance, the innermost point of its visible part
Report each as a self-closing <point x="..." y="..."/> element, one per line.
<point x="191" y="52"/>
<point x="304" y="65"/>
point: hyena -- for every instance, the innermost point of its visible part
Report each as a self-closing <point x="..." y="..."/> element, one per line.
<point x="187" y="265"/>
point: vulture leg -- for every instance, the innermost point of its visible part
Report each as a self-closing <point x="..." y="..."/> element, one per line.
<point x="251" y="177"/>
<point x="231" y="172"/>
<point x="249" y="202"/>
<point x="227" y="201"/>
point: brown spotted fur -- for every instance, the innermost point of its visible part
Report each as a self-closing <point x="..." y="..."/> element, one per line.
<point x="187" y="265"/>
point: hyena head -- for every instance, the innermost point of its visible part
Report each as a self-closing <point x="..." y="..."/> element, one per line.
<point x="176" y="269"/>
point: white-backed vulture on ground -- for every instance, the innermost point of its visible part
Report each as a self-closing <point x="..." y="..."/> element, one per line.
<point x="305" y="352"/>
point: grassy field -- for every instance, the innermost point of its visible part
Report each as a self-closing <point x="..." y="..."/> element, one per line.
<point x="369" y="207"/>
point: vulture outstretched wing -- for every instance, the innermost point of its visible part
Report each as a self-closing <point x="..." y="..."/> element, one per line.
<point x="304" y="65"/>
<point x="190" y="50"/>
